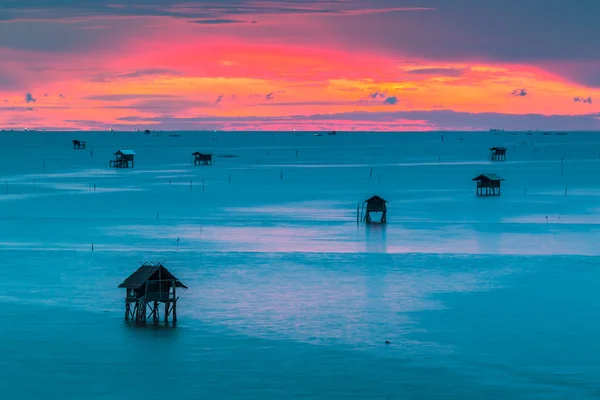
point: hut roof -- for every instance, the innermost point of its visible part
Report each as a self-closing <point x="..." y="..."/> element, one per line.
<point x="375" y="199"/>
<point x="498" y="148"/>
<point x="145" y="272"/>
<point x="126" y="152"/>
<point x="201" y="154"/>
<point x="491" y="177"/>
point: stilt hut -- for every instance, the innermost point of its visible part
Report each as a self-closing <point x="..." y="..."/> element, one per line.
<point x="123" y="159"/>
<point x="78" y="145"/>
<point x="498" y="153"/>
<point x="488" y="184"/>
<point x="378" y="205"/>
<point x="202" y="159"/>
<point x="148" y="287"/>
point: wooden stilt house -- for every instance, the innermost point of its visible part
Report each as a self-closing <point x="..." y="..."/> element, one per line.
<point x="148" y="287"/>
<point x="202" y="159"/>
<point x="488" y="184"/>
<point x="123" y="159"/>
<point x="78" y="145"/>
<point x="498" y="153"/>
<point x="376" y="205"/>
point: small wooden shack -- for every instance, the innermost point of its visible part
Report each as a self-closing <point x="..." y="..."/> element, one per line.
<point x="498" y="153"/>
<point x="123" y="158"/>
<point x="378" y="205"/>
<point x="488" y="184"/>
<point x="146" y="288"/>
<point x="78" y="145"/>
<point x="202" y="159"/>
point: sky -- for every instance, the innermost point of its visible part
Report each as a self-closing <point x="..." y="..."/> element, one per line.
<point x="385" y="65"/>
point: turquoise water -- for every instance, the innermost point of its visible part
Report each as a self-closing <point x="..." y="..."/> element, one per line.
<point x="288" y="297"/>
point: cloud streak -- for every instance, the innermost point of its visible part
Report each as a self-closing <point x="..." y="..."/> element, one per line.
<point x="583" y="100"/>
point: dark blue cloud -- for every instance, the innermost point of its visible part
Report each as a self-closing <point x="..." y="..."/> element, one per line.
<point x="436" y="119"/>
<point x="392" y="100"/>
<point x="375" y="95"/>
<point x="519" y="92"/>
<point x="29" y="98"/>
<point x="583" y="100"/>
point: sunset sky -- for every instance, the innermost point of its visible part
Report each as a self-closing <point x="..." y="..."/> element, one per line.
<point x="300" y="64"/>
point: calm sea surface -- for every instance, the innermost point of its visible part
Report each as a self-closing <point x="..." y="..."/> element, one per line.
<point x="481" y="298"/>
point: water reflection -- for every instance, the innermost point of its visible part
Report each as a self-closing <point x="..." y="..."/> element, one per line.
<point x="376" y="238"/>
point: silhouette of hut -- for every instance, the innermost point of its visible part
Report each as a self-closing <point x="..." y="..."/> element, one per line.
<point x="202" y="159"/>
<point x="78" y="145"/>
<point x="122" y="159"/>
<point x="498" y="153"/>
<point x="378" y="205"/>
<point x="488" y="184"/>
<point x="146" y="288"/>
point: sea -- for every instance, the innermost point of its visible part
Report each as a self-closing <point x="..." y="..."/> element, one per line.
<point x="290" y="294"/>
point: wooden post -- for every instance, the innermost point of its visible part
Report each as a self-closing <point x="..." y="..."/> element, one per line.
<point x="174" y="305"/>
<point x="561" y="165"/>
<point x="358" y="213"/>
<point x="371" y="173"/>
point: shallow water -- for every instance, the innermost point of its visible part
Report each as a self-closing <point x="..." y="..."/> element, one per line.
<point x="289" y="297"/>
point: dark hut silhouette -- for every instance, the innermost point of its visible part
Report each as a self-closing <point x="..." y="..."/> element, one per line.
<point x="498" y="153"/>
<point x="378" y="205"/>
<point x="488" y="184"/>
<point x="123" y="158"/>
<point x="78" y="145"/>
<point x="202" y="158"/>
<point x="146" y="288"/>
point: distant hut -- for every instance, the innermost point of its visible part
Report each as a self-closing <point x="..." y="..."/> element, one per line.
<point x="488" y="184"/>
<point x="202" y="159"/>
<point x="378" y="205"/>
<point x="498" y="153"/>
<point x="122" y="159"/>
<point x="150" y="285"/>
<point x="78" y="145"/>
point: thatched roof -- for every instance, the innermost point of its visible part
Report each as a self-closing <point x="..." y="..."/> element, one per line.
<point x="126" y="152"/>
<point x="149" y="271"/>
<point x="498" y="149"/>
<point x="490" y="177"/>
<point x="375" y="199"/>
